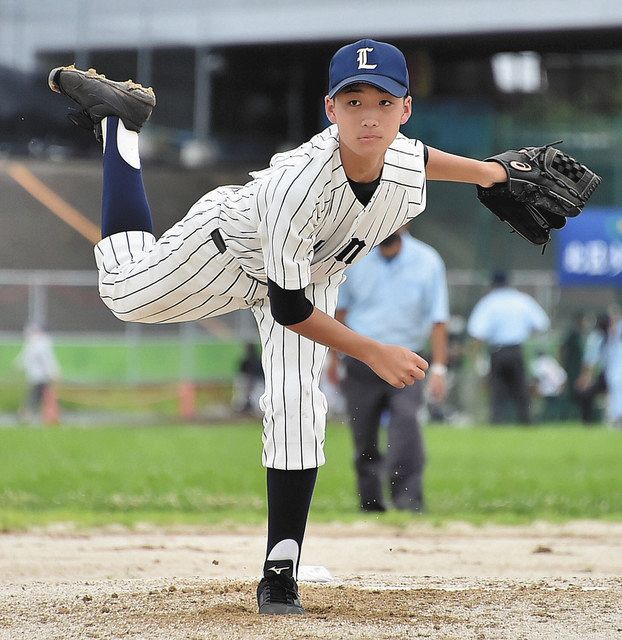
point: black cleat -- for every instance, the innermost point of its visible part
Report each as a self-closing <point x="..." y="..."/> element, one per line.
<point x="277" y="593"/>
<point x="100" y="97"/>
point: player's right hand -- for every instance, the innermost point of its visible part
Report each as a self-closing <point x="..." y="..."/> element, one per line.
<point x="399" y="366"/>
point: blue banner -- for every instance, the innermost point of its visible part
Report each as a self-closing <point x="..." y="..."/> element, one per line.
<point x="589" y="249"/>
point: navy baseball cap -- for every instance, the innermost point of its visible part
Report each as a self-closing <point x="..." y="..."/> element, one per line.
<point x="377" y="63"/>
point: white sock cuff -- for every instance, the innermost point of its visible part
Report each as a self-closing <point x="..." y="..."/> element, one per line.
<point x="104" y="124"/>
<point x="285" y="550"/>
<point x="127" y="143"/>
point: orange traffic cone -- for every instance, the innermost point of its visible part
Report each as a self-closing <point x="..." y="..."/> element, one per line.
<point x="49" y="408"/>
<point x="187" y="400"/>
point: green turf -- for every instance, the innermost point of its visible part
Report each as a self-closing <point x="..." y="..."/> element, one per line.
<point x="112" y="363"/>
<point x="146" y="360"/>
<point x="188" y="474"/>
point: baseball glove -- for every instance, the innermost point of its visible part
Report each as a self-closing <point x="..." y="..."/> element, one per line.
<point x="544" y="188"/>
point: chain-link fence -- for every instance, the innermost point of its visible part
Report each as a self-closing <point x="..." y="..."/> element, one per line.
<point x="177" y="369"/>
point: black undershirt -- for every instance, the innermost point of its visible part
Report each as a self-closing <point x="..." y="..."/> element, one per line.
<point x="291" y="306"/>
<point x="364" y="190"/>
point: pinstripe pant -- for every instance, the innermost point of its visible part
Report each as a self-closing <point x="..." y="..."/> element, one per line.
<point x="184" y="276"/>
<point x="294" y="406"/>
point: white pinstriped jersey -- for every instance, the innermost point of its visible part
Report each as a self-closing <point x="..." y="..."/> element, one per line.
<point x="299" y="222"/>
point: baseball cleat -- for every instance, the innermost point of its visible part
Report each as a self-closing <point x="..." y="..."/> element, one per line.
<point x="277" y="593"/>
<point x="100" y="97"/>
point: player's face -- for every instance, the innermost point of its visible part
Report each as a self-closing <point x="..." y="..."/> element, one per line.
<point x="368" y="118"/>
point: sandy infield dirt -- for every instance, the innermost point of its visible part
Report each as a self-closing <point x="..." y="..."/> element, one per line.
<point x="459" y="582"/>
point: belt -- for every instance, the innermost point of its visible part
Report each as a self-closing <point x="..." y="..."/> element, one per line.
<point x="222" y="248"/>
<point x="218" y="241"/>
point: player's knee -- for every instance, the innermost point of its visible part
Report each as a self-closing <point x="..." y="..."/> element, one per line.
<point x="122" y="306"/>
<point x="121" y="313"/>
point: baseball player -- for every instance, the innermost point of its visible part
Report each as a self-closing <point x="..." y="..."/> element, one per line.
<point x="278" y="245"/>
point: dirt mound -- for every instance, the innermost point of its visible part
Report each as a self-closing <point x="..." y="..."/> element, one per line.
<point x="456" y="582"/>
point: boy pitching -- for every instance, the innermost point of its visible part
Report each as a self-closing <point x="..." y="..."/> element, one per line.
<point x="278" y="245"/>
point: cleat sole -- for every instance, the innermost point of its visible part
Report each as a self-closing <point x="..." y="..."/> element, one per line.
<point x="135" y="89"/>
<point x="278" y="609"/>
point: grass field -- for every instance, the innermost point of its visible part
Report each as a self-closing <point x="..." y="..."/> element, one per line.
<point x="114" y="362"/>
<point x="119" y="360"/>
<point x="191" y="474"/>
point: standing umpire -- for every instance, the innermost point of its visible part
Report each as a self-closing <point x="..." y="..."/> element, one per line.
<point x="398" y="294"/>
<point x="504" y="319"/>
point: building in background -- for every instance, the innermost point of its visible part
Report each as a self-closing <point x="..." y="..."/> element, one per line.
<point x="227" y="73"/>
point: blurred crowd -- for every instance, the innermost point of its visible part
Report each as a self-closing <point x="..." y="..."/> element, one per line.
<point x="533" y="379"/>
<point x="503" y="354"/>
<point x="599" y="343"/>
<point x="576" y="377"/>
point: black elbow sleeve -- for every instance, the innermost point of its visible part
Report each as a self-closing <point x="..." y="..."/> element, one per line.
<point x="288" y="306"/>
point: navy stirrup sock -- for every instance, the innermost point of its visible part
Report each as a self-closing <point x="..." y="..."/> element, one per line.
<point x="289" y="500"/>
<point x="124" y="202"/>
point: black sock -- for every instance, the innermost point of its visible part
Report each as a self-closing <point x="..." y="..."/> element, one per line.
<point x="289" y="499"/>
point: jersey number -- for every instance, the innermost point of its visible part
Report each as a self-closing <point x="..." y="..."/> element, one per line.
<point x="350" y="251"/>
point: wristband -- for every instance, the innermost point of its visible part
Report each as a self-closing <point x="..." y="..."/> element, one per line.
<point x="438" y="368"/>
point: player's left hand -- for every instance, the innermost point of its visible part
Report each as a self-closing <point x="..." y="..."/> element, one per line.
<point x="544" y="187"/>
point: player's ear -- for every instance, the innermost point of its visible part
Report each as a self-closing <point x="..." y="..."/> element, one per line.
<point x="408" y="109"/>
<point x="329" y="106"/>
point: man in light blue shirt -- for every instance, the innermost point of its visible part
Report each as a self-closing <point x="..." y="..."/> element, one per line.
<point x="504" y="319"/>
<point x="397" y="294"/>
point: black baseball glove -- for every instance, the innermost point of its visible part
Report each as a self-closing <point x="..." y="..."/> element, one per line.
<point x="544" y="188"/>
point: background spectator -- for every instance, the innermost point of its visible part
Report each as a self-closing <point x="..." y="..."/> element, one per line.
<point x="550" y="381"/>
<point x="398" y="294"/>
<point x="40" y="367"/>
<point x="504" y="319"/>
<point x="571" y="358"/>
<point x="613" y="371"/>
<point x="249" y="382"/>
<point x="591" y="382"/>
